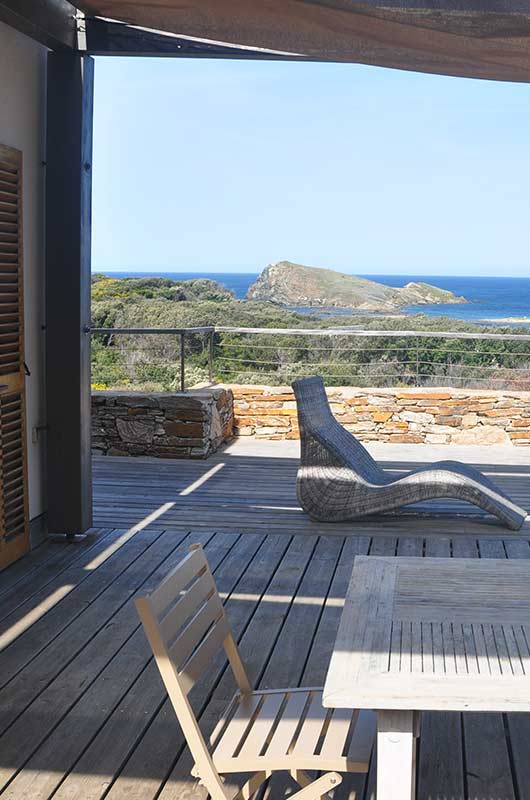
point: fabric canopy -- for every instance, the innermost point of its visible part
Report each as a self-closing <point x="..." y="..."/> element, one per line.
<point x="470" y="38"/>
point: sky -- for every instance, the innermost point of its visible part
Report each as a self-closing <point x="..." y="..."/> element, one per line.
<point x="226" y="166"/>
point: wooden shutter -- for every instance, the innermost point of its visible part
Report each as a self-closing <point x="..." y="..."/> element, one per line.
<point x="14" y="517"/>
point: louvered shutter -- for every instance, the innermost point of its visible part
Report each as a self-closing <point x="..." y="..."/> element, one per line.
<point x="14" y="521"/>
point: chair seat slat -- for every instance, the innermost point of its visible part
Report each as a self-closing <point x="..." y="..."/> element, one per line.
<point x="347" y="736"/>
<point x="242" y="719"/>
<point x="312" y="726"/>
<point x="262" y="725"/>
<point x="337" y="732"/>
<point x="284" y="733"/>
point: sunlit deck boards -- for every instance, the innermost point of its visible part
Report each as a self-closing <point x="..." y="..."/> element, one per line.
<point x="251" y="487"/>
<point x="82" y="710"/>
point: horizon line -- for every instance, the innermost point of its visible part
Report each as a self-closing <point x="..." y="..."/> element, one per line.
<point x="200" y="272"/>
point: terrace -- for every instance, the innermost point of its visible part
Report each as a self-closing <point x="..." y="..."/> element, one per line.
<point x="84" y="713"/>
<point x="82" y="710"/>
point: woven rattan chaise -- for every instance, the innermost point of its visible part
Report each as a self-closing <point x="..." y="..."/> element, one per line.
<point x="261" y="731"/>
<point x="338" y="479"/>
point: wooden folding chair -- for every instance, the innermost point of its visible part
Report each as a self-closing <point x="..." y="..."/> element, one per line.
<point x="261" y="731"/>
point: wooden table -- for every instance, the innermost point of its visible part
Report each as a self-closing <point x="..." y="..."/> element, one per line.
<point x="421" y="634"/>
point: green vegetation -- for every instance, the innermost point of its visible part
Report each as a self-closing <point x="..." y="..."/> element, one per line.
<point x="152" y="362"/>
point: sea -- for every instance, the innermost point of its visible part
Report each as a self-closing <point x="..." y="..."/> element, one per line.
<point x="493" y="301"/>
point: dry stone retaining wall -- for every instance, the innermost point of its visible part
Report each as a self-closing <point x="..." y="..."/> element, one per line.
<point x="431" y="416"/>
<point x="166" y="425"/>
<point x="196" y="423"/>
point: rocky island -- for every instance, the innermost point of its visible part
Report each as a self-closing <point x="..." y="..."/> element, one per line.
<point x="296" y="285"/>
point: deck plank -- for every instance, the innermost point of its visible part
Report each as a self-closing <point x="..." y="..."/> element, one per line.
<point x="124" y="494"/>
<point x="487" y="756"/>
<point x="50" y="588"/>
<point x="50" y="704"/>
<point x="82" y="709"/>
<point x="108" y="617"/>
<point x="352" y="786"/>
<point x="518" y="725"/>
<point x="100" y="760"/>
<point x="294" y="646"/>
<point x="44" y="564"/>
<point x="53" y="550"/>
<point x="46" y="624"/>
<point x="440" y="764"/>
<point x="114" y="733"/>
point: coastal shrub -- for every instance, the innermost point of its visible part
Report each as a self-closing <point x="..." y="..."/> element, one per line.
<point x="154" y="360"/>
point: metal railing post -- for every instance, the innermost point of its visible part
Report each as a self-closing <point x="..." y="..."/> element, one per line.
<point x="417" y="361"/>
<point x="182" y="372"/>
<point x="210" y="355"/>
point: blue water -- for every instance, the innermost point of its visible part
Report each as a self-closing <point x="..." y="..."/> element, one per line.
<point x="490" y="298"/>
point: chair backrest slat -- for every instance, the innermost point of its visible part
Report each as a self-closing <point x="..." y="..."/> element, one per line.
<point x="196" y="665"/>
<point x="167" y="592"/>
<point x="191" y="637"/>
<point x="188" y="602"/>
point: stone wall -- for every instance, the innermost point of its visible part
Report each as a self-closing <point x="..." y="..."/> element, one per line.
<point x="432" y="416"/>
<point x="169" y="425"/>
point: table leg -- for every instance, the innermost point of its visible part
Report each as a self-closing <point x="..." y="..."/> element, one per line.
<point x="396" y="755"/>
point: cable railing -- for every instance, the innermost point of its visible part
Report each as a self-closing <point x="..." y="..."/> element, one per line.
<point x="154" y="359"/>
<point x="174" y="358"/>
<point x="378" y="358"/>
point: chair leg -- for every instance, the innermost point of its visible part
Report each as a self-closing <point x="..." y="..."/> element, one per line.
<point x="317" y="790"/>
<point x="251" y="786"/>
<point x="301" y="777"/>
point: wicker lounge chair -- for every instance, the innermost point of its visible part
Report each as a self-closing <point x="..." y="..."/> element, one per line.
<point x="339" y="480"/>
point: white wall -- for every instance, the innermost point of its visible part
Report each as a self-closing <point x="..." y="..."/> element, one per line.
<point x="22" y="125"/>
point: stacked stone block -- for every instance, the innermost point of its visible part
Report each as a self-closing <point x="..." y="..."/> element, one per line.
<point x="182" y="425"/>
<point x="422" y="416"/>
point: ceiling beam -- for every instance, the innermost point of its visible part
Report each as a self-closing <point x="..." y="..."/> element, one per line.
<point x="50" y="22"/>
<point x="108" y="38"/>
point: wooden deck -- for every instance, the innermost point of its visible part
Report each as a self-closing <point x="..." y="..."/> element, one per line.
<point x="82" y="710"/>
<point x="251" y="486"/>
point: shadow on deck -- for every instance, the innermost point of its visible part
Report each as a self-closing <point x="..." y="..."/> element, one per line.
<point x="83" y="713"/>
<point x="251" y="487"/>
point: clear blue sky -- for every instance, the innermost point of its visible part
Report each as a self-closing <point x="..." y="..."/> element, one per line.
<point x="229" y="165"/>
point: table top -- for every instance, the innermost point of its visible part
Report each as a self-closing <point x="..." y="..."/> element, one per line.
<point x="433" y="634"/>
